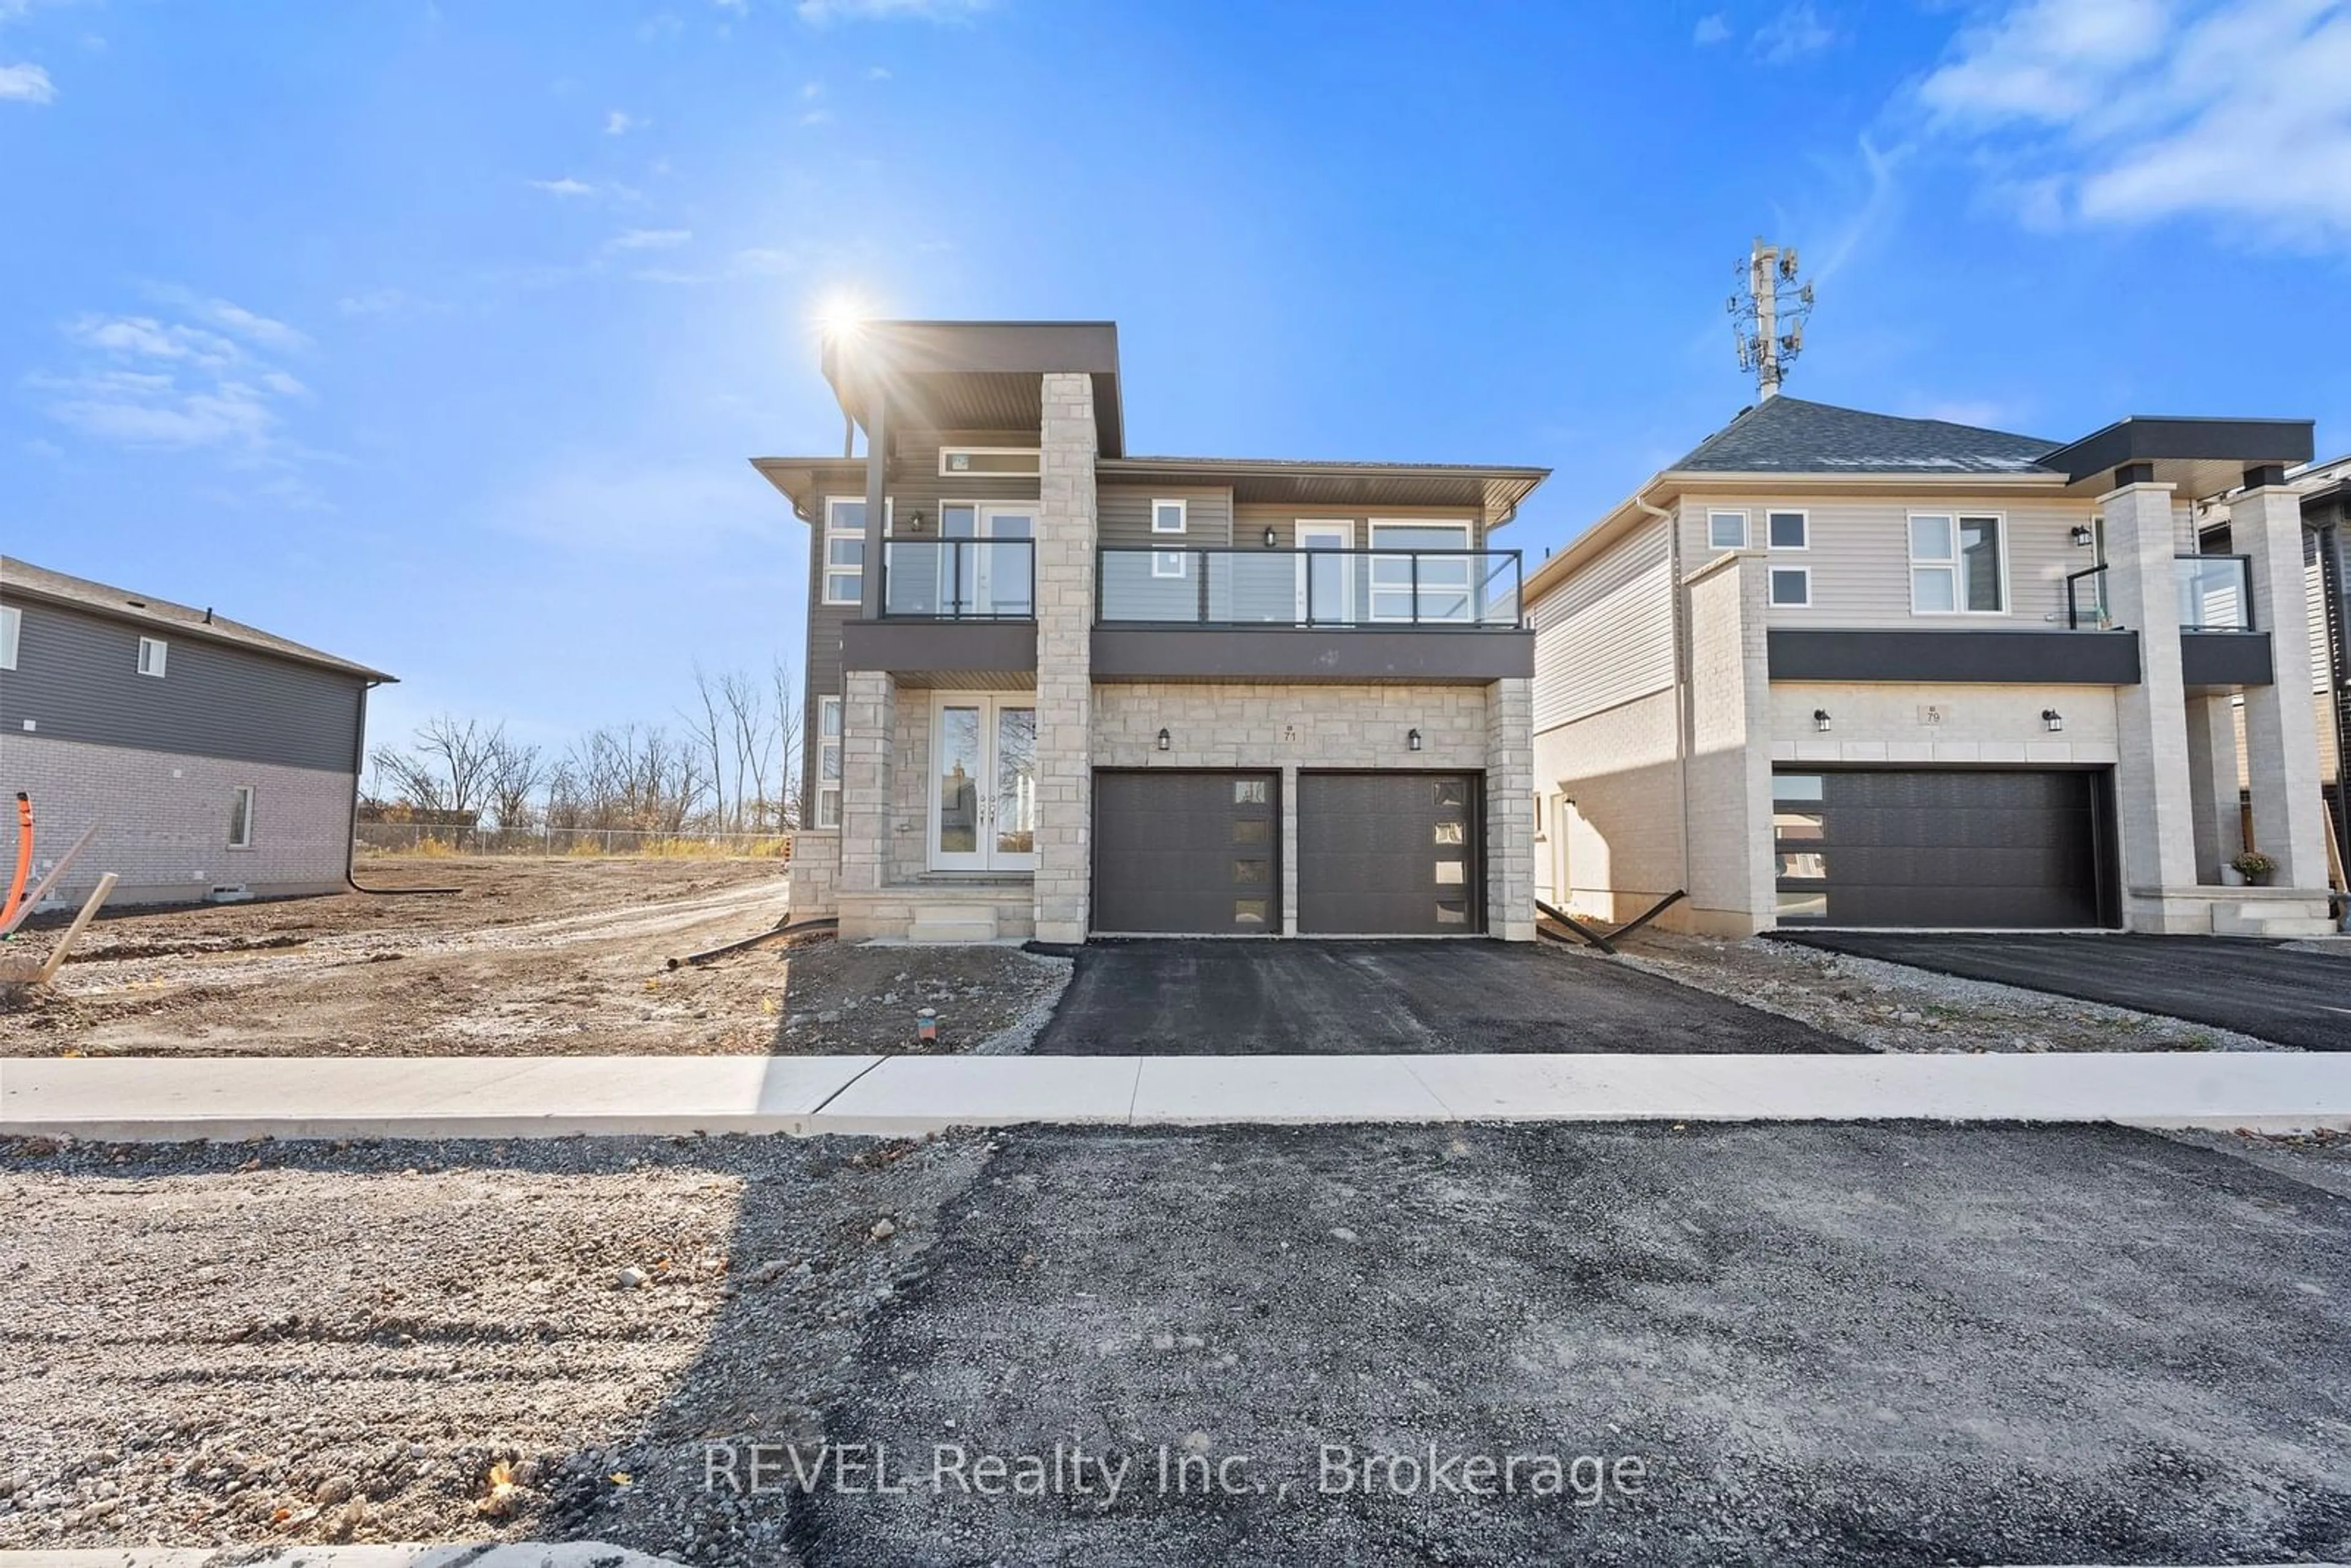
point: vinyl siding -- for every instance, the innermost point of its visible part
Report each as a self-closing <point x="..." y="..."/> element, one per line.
<point x="1606" y="635"/>
<point x="76" y="679"/>
<point x="1859" y="555"/>
<point x="1124" y="517"/>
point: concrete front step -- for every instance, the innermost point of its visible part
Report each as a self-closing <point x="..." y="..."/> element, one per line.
<point x="2303" y="916"/>
<point x="951" y="925"/>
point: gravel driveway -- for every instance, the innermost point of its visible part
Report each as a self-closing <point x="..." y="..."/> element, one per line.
<point x="1829" y="1344"/>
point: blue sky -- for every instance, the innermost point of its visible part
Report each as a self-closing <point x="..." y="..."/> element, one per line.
<point x="438" y="335"/>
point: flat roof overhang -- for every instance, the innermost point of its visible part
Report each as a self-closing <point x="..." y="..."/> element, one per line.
<point x="1495" y="492"/>
<point x="2201" y="457"/>
<point x="1422" y="655"/>
<point x="919" y="651"/>
<point x="973" y="376"/>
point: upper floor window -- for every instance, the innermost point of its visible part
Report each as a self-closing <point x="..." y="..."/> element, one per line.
<point x="153" y="652"/>
<point x="1726" y="530"/>
<point x="844" y="549"/>
<point x="1792" y="586"/>
<point x="1168" y="517"/>
<point x="991" y="462"/>
<point x="1956" y="565"/>
<point x="12" y="621"/>
<point x="1788" y="530"/>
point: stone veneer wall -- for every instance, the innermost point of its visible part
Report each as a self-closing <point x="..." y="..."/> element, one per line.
<point x="1065" y="618"/>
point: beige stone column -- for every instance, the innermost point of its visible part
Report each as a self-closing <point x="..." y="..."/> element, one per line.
<point x="2212" y="781"/>
<point x="2154" y="805"/>
<point x="2280" y="720"/>
<point x="1065" y="618"/>
<point x="868" y="720"/>
<point x="1509" y="811"/>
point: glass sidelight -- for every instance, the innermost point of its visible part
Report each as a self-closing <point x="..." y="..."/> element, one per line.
<point x="984" y="783"/>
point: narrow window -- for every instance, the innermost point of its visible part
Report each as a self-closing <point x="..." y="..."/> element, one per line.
<point x="991" y="462"/>
<point x="1789" y="530"/>
<point x="11" y="623"/>
<point x="845" y="550"/>
<point x="240" y="818"/>
<point x="1453" y="911"/>
<point x="1792" y="585"/>
<point x="1726" y="530"/>
<point x="828" y="762"/>
<point x="153" y="652"/>
<point x="1168" y="517"/>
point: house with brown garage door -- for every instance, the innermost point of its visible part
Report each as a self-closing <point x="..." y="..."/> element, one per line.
<point x="1060" y="689"/>
<point x="1840" y="668"/>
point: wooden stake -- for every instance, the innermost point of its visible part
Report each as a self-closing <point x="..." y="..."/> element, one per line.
<point x="57" y="954"/>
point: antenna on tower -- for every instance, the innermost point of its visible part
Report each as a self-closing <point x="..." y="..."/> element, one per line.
<point x="1768" y="311"/>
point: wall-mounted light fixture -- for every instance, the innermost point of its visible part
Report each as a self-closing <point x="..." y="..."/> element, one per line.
<point x="1269" y="536"/>
<point x="1165" y="740"/>
<point x="914" y="521"/>
<point x="1820" y="719"/>
<point x="1412" y="740"/>
<point x="2051" y="720"/>
<point x="2085" y="536"/>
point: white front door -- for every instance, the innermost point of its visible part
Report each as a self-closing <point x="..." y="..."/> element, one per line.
<point x="991" y="580"/>
<point x="984" y="782"/>
<point x="1326" y="589"/>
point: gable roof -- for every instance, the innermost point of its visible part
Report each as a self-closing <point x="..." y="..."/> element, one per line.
<point x="1790" y="435"/>
<point x="23" y="579"/>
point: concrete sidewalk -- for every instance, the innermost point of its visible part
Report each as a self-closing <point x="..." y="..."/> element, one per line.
<point x="150" y="1099"/>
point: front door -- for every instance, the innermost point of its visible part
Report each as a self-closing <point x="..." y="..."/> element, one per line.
<point x="984" y="782"/>
<point x="1326" y="584"/>
<point x="991" y="578"/>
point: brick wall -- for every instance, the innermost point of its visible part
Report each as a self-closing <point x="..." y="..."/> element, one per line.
<point x="163" y="819"/>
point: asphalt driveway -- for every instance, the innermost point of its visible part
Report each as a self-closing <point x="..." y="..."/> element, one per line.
<point x="2261" y="988"/>
<point x="1881" y="1346"/>
<point x="1178" y="998"/>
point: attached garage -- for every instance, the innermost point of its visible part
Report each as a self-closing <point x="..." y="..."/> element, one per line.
<point x="1389" y="854"/>
<point x="1944" y="847"/>
<point x="1188" y="852"/>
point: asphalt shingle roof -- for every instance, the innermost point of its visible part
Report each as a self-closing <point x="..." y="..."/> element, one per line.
<point x="1788" y="436"/>
<point x="22" y="577"/>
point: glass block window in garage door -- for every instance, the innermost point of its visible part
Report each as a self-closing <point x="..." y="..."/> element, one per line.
<point x="1389" y="854"/>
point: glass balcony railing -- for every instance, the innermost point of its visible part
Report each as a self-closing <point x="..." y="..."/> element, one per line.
<point x="959" y="579"/>
<point x="2215" y="593"/>
<point x="1381" y="588"/>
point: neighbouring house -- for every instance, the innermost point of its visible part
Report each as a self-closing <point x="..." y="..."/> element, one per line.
<point x="214" y="760"/>
<point x="1056" y="689"/>
<point x="1835" y="667"/>
<point x="2326" y="514"/>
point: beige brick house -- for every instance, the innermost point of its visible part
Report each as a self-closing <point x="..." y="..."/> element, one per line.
<point x="1057" y="689"/>
<point x="1834" y="667"/>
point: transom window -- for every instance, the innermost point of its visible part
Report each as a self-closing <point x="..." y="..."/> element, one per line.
<point x="1726" y="530"/>
<point x="1958" y="566"/>
<point x="828" y="762"/>
<point x="1168" y="517"/>
<point x="1021" y="461"/>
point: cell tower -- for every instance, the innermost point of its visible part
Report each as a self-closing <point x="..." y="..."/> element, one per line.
<point x="1767" y="314"/>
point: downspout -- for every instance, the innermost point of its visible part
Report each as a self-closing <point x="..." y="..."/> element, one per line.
<point x="1681" y="665"/>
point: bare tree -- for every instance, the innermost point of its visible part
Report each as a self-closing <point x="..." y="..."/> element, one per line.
<point x="706" y="735"/>
<point x="790" y="809"/>
<point x="747" y="725"/>
<point x="515" y="774"/>
<point x="446" y="768"/>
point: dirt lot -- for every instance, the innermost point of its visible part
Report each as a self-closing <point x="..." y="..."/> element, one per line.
<point x="1892" y="1006"/>
<point x="560" y="956"/>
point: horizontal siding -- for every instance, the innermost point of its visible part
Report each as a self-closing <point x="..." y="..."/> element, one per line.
<point x="1124" y="516"/>
<point x="76" y="679"/>
<point x="1859" y="556"/>
<point x="1605" y="636"/>
<point x="1251" y="520"/>
<point x="2313" y="599"/>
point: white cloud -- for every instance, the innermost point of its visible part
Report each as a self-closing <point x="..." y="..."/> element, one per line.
<point x="1713" y="29"/>
<point x="26" y="83"/>
<point x="153" y="381"/>
<point x="816" y="117"/>
<point x="620" y="123"/>
<point x="877" y="73"/>
<point x="374" y="303"/>
<point x="566" y="186"/>
<point x="819" y="13"/>
<point x="1792" y="34"/>
<point x="649" y="239"/>
<point x="2132" y="111"/>
<point x="812" y="90"/>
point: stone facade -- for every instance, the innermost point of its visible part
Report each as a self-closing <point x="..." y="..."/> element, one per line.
<point x="1065" y="619"/>
<point x="2155" y="803"/>
<point x="2290" y="823"/>
<point x="173" y="846"/>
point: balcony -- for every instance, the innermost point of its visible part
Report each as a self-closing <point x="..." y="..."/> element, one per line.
<point x="1435" y="615"/>
<point x="2219" y="644"/>
<point x="951" y="609"/>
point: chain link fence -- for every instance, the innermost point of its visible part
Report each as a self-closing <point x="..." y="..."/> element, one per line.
<point x="429" y="840"/>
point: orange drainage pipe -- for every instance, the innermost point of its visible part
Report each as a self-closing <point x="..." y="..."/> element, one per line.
<point x="24" y="854"/>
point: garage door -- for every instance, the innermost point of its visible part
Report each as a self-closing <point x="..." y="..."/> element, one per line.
<point x="1389" y="854"/>
<point x="1941" y="848"/>
<point x="1188" y="852"/>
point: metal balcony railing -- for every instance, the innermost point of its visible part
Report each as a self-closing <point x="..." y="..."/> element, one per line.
<point x="2215" y="593"/>
<point x="959" y="579"/>
<point x="1382" y="590"/>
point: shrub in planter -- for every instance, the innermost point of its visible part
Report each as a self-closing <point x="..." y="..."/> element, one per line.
<point x="2255" y="867"/>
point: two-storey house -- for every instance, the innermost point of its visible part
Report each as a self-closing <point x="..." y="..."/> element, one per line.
<point x="1056" y="689"/>
<point x="1834" y="667"/>
<point x="212" y="759"/>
